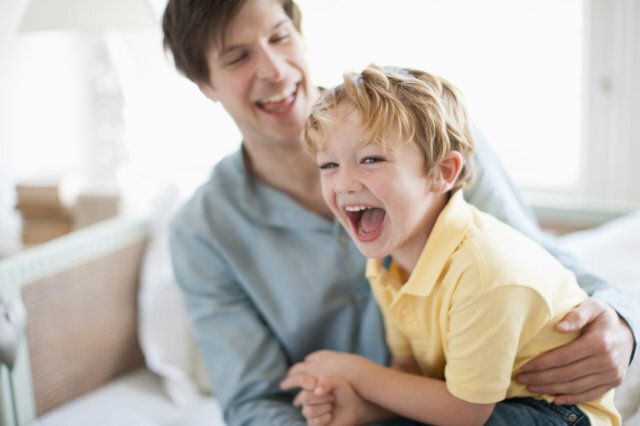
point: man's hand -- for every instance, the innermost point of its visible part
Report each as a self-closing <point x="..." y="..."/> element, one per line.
<point x="589" y="366"/>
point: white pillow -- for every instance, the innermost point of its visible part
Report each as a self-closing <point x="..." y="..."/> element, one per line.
<point x="612" y="251"/>
<point x="163" y="329"/>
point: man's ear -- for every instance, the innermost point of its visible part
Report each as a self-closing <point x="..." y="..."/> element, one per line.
<point x="447" y="171"/>
<point x="208" y="90"/>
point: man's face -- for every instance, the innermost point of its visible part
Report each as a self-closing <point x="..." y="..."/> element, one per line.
<point x="382" y="197"/>
<point x="260" y="74"/>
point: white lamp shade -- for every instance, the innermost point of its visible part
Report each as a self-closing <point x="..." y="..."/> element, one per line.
<point x="95" y="15"/>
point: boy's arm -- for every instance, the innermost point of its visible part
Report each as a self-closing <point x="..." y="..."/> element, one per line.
<point x="607" y="342"/>
<point x="332" y="400"/>
<point x="244" y="371"/>
<point x="390" y="391"/>
<point x="327" y="398"/>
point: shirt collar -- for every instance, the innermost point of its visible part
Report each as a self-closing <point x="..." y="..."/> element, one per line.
<point x="450" y="229"/>
<point x="273" y="207"/>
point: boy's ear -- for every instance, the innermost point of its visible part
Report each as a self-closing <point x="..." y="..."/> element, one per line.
<point x="208" y="90"/>
<point x="447" y="171"/>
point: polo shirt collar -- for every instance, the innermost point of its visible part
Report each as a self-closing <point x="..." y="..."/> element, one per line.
<point x="451" y="227"/>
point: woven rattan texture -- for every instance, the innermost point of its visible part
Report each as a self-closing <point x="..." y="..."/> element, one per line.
<point x="81" y="327"/>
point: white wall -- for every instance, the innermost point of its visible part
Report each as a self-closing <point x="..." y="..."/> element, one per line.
<point x="39" y="106"/>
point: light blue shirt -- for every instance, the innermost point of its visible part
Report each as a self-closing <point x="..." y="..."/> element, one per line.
<point x="266" y="282"/>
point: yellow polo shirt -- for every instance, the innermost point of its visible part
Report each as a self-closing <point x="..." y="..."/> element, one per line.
<point x="482" y="300"/>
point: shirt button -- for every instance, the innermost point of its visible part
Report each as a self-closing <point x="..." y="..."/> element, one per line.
<point x="572" y="417"/>
<point x="403" y="312"/>
<point x="344" y="240"/>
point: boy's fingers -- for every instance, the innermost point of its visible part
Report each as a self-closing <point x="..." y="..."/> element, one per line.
<point x="324" y="387"/>
<point x="298" y="368"/>
<point x="322" y="420"/>
<point x="299" y="380"/>
<point x="305" y="397"/>
<point x="311" y="412"/>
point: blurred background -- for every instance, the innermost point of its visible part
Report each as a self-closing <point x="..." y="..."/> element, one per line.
<point x="97" y="112"/>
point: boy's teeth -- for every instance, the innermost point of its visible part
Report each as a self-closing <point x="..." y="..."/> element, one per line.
<point x="355" y="208"/>
<point x="280" y="97"/>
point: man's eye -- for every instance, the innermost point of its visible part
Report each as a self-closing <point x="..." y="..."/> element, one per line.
<point x="371" y="160"/>
<point x="236" y="59"/>
<point x="327" y="166"/>
<point x="280" y="37"/>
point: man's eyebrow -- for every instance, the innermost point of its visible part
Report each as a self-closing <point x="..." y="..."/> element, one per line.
<point x="228" y="49"/>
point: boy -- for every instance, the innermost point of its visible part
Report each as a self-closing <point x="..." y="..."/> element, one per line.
<point x="466" y="299"/>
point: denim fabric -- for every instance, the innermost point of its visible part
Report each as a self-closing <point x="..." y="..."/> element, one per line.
<point x="530" y="411"/>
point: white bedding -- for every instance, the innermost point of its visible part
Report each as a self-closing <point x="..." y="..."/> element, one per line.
<point x="134" y="399"/>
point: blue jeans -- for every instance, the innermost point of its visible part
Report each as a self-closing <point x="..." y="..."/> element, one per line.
<point x="530" y="411"/>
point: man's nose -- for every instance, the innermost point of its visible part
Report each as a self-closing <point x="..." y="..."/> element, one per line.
<point x="270" y="64"/>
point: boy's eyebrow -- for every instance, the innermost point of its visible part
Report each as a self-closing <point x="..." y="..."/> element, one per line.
<point x="228" y="49"/>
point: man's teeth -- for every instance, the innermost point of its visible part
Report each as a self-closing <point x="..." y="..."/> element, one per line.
<point x="355" y="208"/>
<point x="280" y="97"/>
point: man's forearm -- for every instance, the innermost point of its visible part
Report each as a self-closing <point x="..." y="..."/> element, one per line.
<point x="596" y="287"/>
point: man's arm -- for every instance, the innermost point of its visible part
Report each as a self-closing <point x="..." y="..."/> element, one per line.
<point x="494" y="193"/>
<point x="243" y="358"/>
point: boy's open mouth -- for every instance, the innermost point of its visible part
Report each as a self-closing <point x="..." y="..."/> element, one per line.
<point x="365" y="221"/>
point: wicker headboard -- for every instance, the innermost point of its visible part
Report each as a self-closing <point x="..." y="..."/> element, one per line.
<point x="80" y="293"/>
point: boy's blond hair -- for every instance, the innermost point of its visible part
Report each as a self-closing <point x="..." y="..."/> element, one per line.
<point x="425" y="109"/>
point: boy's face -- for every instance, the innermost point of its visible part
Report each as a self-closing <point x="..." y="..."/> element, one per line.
<point x="260" y="74"/>
<point x="382" y="197"/>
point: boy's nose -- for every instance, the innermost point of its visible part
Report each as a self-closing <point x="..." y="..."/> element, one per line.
<point x="347" y="183"/>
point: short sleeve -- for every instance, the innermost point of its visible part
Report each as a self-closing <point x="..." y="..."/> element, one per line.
<point x="486" y="331"/>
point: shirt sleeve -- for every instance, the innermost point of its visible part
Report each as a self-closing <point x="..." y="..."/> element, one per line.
<point x="486" y="332"/>
<point x="243" y="357"/>
<point x="494" y="193"/>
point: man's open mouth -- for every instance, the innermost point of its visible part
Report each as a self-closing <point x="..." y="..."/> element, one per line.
<point x="365" y="221"/>
<point x="280" y="102"/>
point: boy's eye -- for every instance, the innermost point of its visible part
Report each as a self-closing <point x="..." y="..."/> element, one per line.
<point x="328" y="165"/>
<point x="371" y="160"/>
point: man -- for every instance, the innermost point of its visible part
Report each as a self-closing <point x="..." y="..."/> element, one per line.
<point x="256" y="248"/>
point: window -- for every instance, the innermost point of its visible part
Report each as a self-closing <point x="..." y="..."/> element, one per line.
<point x="518" y="65"/>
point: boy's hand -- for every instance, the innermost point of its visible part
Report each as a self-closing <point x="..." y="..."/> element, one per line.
<point x="317" y="404"/>
<point x="592" y="364"/>
<point x="326" y="363"/>
<point x="347" y="406"/>
<point x="332" y="401"/>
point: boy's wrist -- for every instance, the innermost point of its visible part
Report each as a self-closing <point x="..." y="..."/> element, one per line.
<point x="360" y="369"/>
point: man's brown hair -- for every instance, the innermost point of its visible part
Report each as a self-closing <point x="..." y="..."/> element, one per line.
<point x="191" y="27"/>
